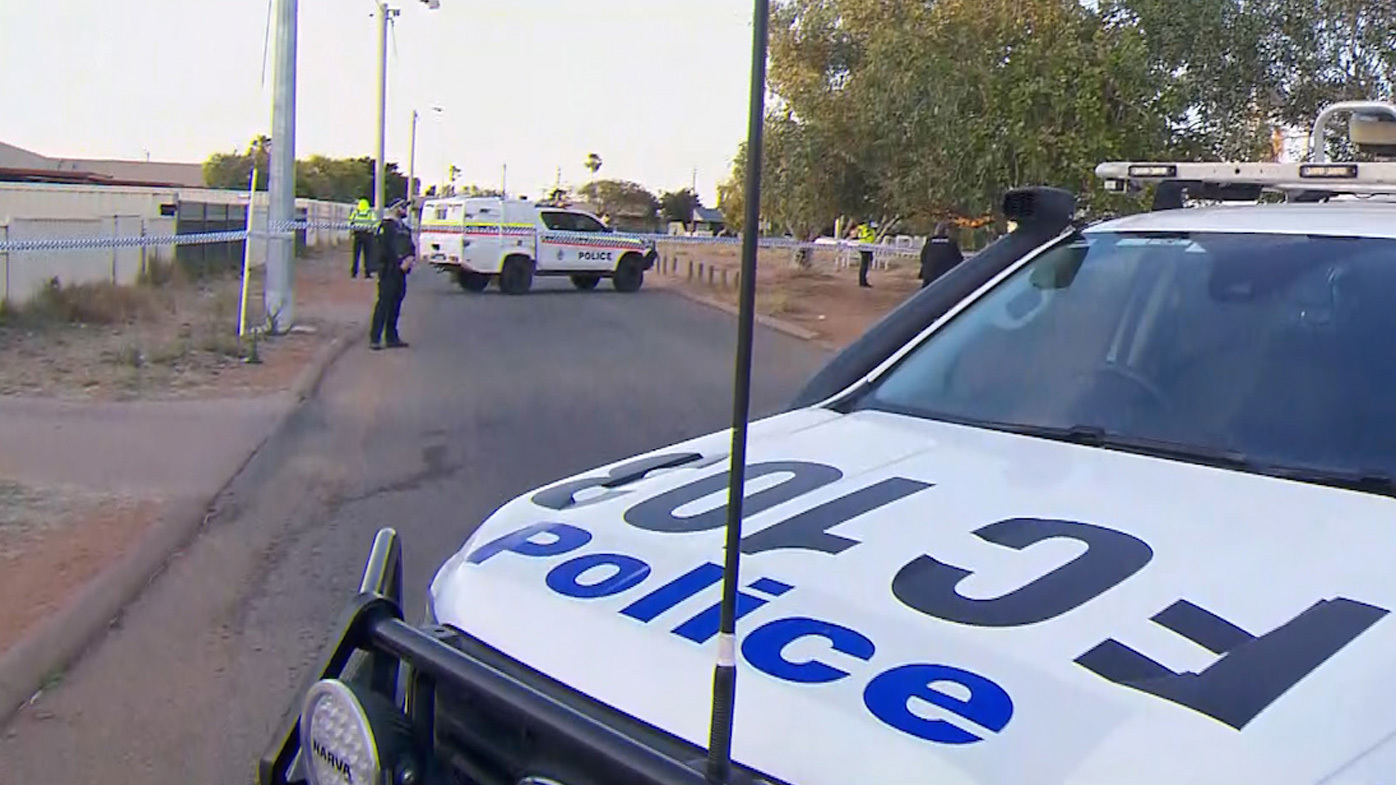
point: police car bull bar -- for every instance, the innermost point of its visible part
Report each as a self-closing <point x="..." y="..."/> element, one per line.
<point x="395" y="746"/>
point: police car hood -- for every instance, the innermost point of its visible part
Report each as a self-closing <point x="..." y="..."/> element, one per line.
<point x="933" y="603"/>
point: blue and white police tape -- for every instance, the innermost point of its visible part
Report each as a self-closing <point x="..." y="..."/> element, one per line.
<point x="286" y="229"/>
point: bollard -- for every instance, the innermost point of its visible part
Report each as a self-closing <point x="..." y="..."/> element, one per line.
<point x="690" y="269"/>
<point x="710" y="275"/>
<point x="724" y="277"/>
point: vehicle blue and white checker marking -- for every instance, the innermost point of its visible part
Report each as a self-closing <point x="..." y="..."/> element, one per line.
<point x="940" y="603"/>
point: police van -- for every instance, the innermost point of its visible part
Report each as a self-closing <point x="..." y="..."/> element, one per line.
<point x="478" y="240"/>
<point x="1108" y="504"/>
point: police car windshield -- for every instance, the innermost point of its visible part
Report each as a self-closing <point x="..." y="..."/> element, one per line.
<point x="1276" y="348"/>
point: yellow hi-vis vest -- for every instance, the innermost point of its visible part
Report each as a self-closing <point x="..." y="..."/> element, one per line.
<point x="866" y="235"/>
<point x="361" y="220"/>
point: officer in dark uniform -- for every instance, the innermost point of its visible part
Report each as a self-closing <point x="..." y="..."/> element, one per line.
<point x="939" y="255"/>
<point x="394" y="251"/>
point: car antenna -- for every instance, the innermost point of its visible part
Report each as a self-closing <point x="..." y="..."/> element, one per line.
<point x="725" y="673"/>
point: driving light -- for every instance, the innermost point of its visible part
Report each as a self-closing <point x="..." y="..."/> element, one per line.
<point x="353" y="737"/>
<point x="1153" y="170"/>
<point x="1328" y="171"/>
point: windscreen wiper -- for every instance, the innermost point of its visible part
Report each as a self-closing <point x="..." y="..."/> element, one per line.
<point x="1376" y="481"/>
<point x="1095" y="436"/>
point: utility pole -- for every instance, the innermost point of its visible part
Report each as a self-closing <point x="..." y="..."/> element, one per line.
<point x="412" y="157"/>
<point x="278" y="297"/>
<point x="385" y="17"/>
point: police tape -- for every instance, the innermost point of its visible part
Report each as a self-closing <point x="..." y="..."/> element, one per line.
<point x="287" y="230"/>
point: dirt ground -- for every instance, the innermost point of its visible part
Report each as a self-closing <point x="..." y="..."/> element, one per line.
<point x="823" y="297"/>
<point x="178" y="340"/>
<point x="174" y="341"/>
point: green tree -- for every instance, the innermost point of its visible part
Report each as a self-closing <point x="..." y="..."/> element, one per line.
<point x="677" y="206"/>
<point x="909" y="111"/>
<point x="317" y="177"/>
<point x="622" y="201"/>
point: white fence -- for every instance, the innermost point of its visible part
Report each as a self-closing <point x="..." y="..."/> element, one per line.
<point x="26" y="273"/>
<point x="107" y="233"/>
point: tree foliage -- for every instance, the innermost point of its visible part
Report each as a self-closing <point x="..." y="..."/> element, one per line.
<point x="904" y="112"/>
<point x="317" y="177"/>
<point x="677" y="206"/>
<point x="622" y="199"/>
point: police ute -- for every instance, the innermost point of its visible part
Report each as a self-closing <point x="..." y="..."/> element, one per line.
<point x="510" y="241"/>
<point x="1111" y="503"/>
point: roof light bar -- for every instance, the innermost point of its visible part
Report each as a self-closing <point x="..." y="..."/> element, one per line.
<point x="1346" y="177"/>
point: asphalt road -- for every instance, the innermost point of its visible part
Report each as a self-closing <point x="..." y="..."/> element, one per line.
<point x="497" y="395"/>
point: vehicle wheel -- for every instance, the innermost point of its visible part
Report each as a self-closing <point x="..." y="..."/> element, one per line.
<point x="586" y="282"/>
<point x="517" y="275"/>
<point x="471" y="281"/>
<point x="629" y="275"/>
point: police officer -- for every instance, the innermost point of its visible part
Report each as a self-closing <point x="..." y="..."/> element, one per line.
<point x="361" y="224"/>
<point x="866" y="238"/>
<point x="394" y="251"/>
<point x="939" y="255"/>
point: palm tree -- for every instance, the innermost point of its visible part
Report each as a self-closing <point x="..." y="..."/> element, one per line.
<point x="593" y="163"/>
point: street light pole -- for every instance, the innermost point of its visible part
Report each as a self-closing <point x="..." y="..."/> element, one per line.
<point x="277" y="297"/>
<point x="412" y="157"/>
<point x="385" y="16"/>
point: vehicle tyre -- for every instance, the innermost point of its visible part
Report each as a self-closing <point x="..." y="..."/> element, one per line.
<point x="471" y="281"/>
<point x="517" y="275"/>
<point x="629" y="275"/>
<point x="586" y="282"/>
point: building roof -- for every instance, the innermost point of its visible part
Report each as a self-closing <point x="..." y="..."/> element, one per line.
<point x="12" y="157"/>
<point x="708" y="215"/>
<point x="189" y="175"/>
<point x="24" y="165"/>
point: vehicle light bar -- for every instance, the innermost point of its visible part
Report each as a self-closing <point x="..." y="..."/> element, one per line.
<point x="1370" y="178"/>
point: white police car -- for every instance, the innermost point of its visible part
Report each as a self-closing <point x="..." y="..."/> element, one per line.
<point x="1104" y="505"/>
<point x="510" y="241"/>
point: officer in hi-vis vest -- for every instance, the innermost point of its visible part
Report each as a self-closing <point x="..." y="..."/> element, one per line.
<point x="362" y="225"/>
<point x="867" y="237"/>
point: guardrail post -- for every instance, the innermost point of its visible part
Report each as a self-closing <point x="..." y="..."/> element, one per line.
<point x="115" y="230"/>
<point x="5" y="293"/>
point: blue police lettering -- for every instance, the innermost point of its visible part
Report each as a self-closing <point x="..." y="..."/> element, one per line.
<point x="565" y="539"/>
<point x="628" y="572"/>
<point x="887" y="694"/>
<point x="764" y="648"/>
<point x="701" y="628"/>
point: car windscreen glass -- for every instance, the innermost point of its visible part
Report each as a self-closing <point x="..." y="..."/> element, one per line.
<point x="1271" y="347"/>
<point x="585" y="223"/>
<point x="560" y="222"/>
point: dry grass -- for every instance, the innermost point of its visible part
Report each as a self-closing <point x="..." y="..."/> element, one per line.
<point x="171" y="335"/>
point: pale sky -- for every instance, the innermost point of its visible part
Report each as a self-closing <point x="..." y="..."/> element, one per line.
<point x="655" y="87"/>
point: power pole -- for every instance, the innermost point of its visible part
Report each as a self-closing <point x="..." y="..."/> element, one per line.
<point x="277" y="296"/>
<point x="412" y="159"/>
<point x="385" y="16"/>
